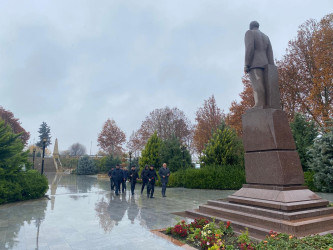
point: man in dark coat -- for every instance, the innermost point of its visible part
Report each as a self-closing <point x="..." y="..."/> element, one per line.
<point x="125" y="176"/>
<point x="164" y="174"/>
<point x="111" y="179"/>
<point x="152" y="177"/>
<point x="133" y="176"/>
<point x="117" y="176"/>
<point x="144" y="177"/>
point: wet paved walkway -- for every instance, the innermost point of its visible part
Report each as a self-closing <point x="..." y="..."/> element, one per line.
<point x="82" y="213"/>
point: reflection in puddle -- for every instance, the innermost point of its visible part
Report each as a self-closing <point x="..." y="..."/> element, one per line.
<point x="83" y="213"/>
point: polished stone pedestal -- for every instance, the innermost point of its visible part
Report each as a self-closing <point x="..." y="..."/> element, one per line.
<point x="274" y="197"/>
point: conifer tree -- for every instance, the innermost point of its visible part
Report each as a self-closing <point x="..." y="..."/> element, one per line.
<point x="224" y="148"/>
<point x="151" y="153"/>
<point x="12" y="157"/>
<point x="174" y="155"/>
<point x="321" y="161"/>
<point x="44" y="132"/>
<point x="86" y="166"/>
<point x="304" y="133"/>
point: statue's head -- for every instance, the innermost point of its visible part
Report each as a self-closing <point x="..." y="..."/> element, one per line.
<point x="254" y="24"/>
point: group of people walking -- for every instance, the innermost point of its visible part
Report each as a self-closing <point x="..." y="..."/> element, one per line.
<point x="149" y="177"/>
<point x="119" y="177"/>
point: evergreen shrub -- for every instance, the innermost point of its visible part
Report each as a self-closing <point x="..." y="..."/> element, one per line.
<point x="86" y="166"/>
<point x="34" y="185"/>
<point x="10" y="191"/>
<point x="209" y="177"/>
<point x="321" y="162"/>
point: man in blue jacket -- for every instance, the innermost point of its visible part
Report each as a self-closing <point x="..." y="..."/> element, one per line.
<point x="164" y="174"/>
<point x="117" y="176"/>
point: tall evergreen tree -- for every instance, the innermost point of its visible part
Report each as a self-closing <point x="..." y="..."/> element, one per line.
<point x="304" y="133"/>
<point x="174" y="155"/>
<point x="44" y="132"/>
<point x="151" y="153"/>
<point x="321" y="161"/>
<point x="224" y="148"/>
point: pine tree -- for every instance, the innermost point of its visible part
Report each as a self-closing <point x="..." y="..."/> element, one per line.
<point x="44" y="132"/>
<point x="12" y="157"/>
<point x="172" y="154"/>
<point x="151" y="153"/>
<point x="304" y="133"/>
<point x="321" y="161"/>
<point x="224" y="148"/>
<point x="86" y="166"/>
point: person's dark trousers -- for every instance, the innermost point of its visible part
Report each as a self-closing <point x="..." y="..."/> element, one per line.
<point x="117" y="186"/>
<point x="144" y="183"/>
<point x="123" y="186"/>
<point x="133" y="187"/>
<point x="164" y="184"/>
<point x="150" y="189"/>
<point x="112" y="184"/>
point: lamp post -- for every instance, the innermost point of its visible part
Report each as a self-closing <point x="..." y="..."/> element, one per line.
<point x="33" y="157"/>
<point x="130" y="155"/>
<point x="44" y="142"/>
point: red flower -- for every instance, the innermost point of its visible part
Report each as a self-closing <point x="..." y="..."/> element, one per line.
<point x="228" y="224"/>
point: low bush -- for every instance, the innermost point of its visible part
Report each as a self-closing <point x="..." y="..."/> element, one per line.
<point x="28" y="185"/>
<point x="209" y="177"/>
<point x="10" y="191"/>
<point x="86" y="166"/>
<point x="34" y="185"/>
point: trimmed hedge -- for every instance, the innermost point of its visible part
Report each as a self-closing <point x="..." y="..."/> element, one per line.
<point x="34" y="185"/>
<point x="209" y="177"/>
<point x="28" y="185"/>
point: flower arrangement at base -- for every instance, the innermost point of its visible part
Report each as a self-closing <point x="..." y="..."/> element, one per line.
<point x="203" y="234"/>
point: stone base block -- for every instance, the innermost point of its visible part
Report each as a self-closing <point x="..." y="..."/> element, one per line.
<point x="266" y="129"/>
<point x="273" y="168"/>
<point x="260" y="221"/>
<point x="285" y="199"/>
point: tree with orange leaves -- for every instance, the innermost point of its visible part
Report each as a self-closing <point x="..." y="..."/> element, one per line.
<point x="234" y="117"/>
<point x="111" y="138"/>
<point x="208" y="119"/>
<point x="306" y="72"/>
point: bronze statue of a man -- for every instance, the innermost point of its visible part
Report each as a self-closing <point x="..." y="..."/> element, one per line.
<point x="258" y="55"/>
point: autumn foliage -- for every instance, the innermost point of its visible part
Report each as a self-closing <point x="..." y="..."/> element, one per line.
<point x="306" y="72"/>
<point x="15" y="124"/>
<point x="234" y="117"/>
<point x="208" y="118"/>
<point x="167" y="123"/>
<point x="111" y="138"/>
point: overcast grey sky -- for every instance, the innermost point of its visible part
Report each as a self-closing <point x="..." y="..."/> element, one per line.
<point x="73" y="64"/>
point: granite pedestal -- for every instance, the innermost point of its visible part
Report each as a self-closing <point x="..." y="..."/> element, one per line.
<point x="274" y="197"/>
